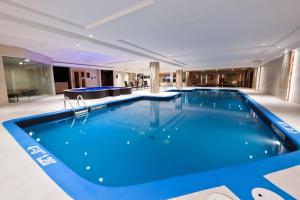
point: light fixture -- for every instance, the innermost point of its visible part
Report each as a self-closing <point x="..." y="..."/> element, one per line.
<point x="263" y="44"/>
<point x="27" y="60"/>
<point x="20" y="63"/>
<point x="77" y="45"/>
<point x="279" y="47"/>
<point x="91" y="36"/>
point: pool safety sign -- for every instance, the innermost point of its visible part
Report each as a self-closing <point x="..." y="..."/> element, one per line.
<point x="40" y="156"/>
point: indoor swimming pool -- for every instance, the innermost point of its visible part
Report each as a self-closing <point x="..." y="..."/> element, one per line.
<point x="141" y="141"/>
<point x="147" y="140"/>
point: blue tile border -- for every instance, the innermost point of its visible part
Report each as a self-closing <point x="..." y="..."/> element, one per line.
<point x="240" y="179"/>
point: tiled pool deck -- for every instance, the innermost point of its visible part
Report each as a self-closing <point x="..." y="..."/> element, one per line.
<point x="22" y="178"/>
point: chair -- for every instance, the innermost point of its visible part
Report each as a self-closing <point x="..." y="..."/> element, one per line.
<point x="146" y="84"/>
<point x="126" y="84"/>
<point x="132" y="85"/>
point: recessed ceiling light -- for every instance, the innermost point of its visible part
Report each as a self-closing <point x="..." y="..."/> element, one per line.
<point x="77" y="45"/>
<point x="27" y="60"/>
<point x="20" y="63"/>
<point x="279" y="47"/>
<point x="91" y="36"/>
<point x="263" y="44"/>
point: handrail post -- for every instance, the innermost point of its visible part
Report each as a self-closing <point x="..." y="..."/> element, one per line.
<point x="79" y="97"/>
<point x="67" y="99"/>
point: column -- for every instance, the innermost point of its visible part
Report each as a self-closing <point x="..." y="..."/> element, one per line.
<point x="3" y="89"/>
<point x="154" y="77"/>
<point x="179" y="83"/>
<point x="53" y="91"/>
<point x="99" y="77"/>
<point x="285" y="81"/>
<point x="171" y="79"/>
<point x="187" y="75"/>
<point x="295" y="79"/>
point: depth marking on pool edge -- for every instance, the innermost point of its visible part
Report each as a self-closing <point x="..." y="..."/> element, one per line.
<point x="98" y="107"/>
<point x="278" y="132"/>
<point x="287" y="127"/>
<point x="40" y="155"/>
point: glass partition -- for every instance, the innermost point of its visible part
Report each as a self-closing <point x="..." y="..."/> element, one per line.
<point x="26" y="79"/>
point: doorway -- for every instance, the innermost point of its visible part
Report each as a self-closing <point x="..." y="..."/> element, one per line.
<point x="61" y="79"/>
<point x="107" y="78"/>
<point x="79" y="79"/>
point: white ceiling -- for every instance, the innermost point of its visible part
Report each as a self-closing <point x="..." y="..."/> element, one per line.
<point x="193" y="34"/>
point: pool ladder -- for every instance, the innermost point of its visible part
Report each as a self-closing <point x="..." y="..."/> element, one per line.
<point x="79" y="113"/>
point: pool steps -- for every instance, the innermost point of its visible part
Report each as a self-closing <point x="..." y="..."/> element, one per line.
<point x="79" y="113"/>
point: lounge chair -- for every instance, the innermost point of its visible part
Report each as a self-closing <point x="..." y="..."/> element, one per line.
<point x="126" y="84"/>
<point x="132" y="85"/>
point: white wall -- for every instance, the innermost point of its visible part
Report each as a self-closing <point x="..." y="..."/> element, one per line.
<point x="269" y="80"/>
<point x="94" y="79"/>
<point x="270" y="77"/>
<point x="295" y="80"/>
<point x="122" y="76"/>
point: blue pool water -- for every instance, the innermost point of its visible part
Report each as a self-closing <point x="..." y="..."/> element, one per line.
<point x="147" y="140"/>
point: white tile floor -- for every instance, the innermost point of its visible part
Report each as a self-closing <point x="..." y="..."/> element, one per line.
<point x="22" y="178"/>
<point x="210" y="194"/>
<point x="288" y="180"/>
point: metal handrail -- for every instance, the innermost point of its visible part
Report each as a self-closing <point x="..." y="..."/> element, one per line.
<point x="79" y="97"/>
<point x="67" y="99"/>
<point x="77" y="113"/>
